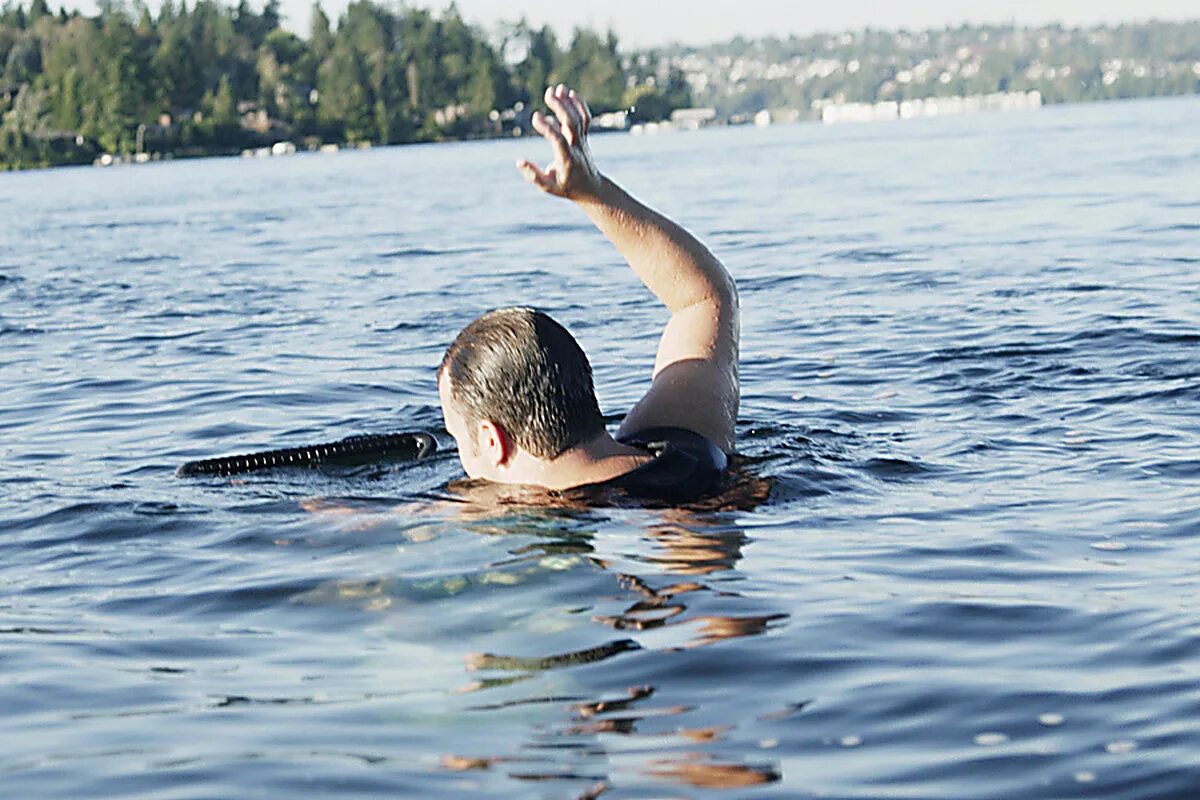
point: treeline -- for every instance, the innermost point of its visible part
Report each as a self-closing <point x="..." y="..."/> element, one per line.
<point x="210" y="78"/>
<point x="1064" y="64"/>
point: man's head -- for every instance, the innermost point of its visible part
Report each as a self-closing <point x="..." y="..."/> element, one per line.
<point x="515" y="378"/>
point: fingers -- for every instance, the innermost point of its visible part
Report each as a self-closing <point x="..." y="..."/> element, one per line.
<point x="546" y="181"/>
<point x="567" y="111"/>
<point x="551" y="132"/>
<point x="585" y="113"/>
<point x="564" y="130"/>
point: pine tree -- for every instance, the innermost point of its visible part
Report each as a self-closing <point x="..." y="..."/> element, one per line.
<point x="224" y="106"/>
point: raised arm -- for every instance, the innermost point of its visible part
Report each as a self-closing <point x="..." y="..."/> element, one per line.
<point x="695" y="383"/>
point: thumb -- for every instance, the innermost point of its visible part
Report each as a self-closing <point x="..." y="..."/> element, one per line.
<point x="532" y="174"/>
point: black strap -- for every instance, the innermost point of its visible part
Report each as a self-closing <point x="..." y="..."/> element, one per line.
<point x="354" y="449"/>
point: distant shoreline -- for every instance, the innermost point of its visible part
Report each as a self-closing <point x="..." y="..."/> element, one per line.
<point x="214" y="79"/>
<point x="163" y="158"/>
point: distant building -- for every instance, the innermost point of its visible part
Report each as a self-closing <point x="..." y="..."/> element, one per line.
<point x="693" y="118"/>
<point x="445" y="117"/>
<point x="833" y="113"/>
<point x="612" y="121"/>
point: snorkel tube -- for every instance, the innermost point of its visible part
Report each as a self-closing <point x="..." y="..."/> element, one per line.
<point x="349" y="451"/>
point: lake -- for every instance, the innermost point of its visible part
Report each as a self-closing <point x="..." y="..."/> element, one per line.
<point x="971" y="382"/>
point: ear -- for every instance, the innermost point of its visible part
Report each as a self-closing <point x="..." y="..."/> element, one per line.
<point x="495" y="445"/>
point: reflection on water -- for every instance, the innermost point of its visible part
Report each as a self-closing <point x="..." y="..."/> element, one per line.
<point x="679" y="552"/>
<point x="488" y="661"/>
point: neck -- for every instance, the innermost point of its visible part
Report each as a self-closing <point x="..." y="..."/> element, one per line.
<point x="597" y="459"/>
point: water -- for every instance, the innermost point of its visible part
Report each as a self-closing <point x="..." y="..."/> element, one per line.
<point x="970" y="372"/>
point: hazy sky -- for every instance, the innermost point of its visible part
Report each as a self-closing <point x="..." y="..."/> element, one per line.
<point x="650" y="22"/>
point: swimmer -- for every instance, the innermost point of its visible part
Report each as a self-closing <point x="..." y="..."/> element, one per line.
<point x="516" y="388"/>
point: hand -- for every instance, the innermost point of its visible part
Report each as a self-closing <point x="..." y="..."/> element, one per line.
<point x="572" y="174"/>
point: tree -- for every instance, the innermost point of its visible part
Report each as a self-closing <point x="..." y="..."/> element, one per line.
<point x="320" y="39"/>
<point x="647" y="103"/>
<point x="344" y="109"/>
<point x="37" y="10"/>
<point x="542" y="56"/>
<point x="485" y="87"/>
<point x="224" y="107"/>
<point x="24" y="129"/>
<point x="24" y="62"/>
<point x="593" y="66"/>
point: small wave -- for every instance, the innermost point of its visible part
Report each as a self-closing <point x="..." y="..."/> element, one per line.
<point x="869" y="417"/>
<point x="227" y="700"/>
<point x="9" y="330"/>
<point x="221" y="431"/>
<point x="220" y="601"/>
<point x="36" y="457"/>
<point x="985" y="352"/>
<point x="106" y="521"/>
<point x="145" y="259"/>
<point x="1182" y="468"/>
<point x="266" y="216"/>
<point x="117" y="224"/>
<point x="30" y="630"/>
<point x="964" y="201"/>
<point x="897" y="469"/>
<point x="102" y="384"/>
<point x="1087" y="287"/>
<point x="545" y="227"/>
<point x="1183" y="227"/>
<point x="764" y="283"/>
<point x="413" y="252"/>
<point x="981" y="621"/>
<point x="1008" y="292"/>
<point x="1169" y="370"/>
<point x="794" y="484"/>
<point x="403" y="326"/>
<point x="1135" y="335"/>
<point x="172" y="313"/>
<point x="865" y="255"/>
<point x="163" y="337"/>
<point x="205" y="350"/>
<point x="737" y="232"/>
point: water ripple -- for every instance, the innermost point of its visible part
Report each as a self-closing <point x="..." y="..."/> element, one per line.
<point x="955" y="558"/>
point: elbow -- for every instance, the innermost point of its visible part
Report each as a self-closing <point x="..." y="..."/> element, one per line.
<point x="720" y="297"/>
<point x="732" y="297"/>
<point x="725" y="292"/>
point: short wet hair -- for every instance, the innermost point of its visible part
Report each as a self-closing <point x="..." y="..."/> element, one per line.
<point x="521" y="369"/>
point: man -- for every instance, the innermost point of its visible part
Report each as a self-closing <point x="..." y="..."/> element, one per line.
<point x="516" y="389"/>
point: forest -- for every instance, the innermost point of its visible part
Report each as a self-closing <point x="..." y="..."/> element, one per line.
<point x="213" y="79"/>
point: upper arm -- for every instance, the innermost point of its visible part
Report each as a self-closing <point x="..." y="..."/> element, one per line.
<point x="695" y="382"/>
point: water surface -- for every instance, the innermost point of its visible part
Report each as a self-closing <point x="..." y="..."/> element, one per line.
<point x="971" y="375"/>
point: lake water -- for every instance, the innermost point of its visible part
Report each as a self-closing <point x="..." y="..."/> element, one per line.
<point x="971" y="371"/>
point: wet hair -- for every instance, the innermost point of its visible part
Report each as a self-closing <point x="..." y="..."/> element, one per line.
<point x="522" y="370"/>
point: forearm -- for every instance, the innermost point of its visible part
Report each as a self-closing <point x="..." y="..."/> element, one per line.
<point x="673" y="264"/>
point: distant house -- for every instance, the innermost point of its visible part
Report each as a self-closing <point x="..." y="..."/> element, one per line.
<point x="259" y="121"/>
<point x="693" y="118"/>
<point x="613" y="121"/>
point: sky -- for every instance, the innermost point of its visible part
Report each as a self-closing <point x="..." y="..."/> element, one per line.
<point x="644" y="23"/>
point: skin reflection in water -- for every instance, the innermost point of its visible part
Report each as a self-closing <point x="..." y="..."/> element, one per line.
<point x="710" y="775"/>
<point x="685" y="550"/>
